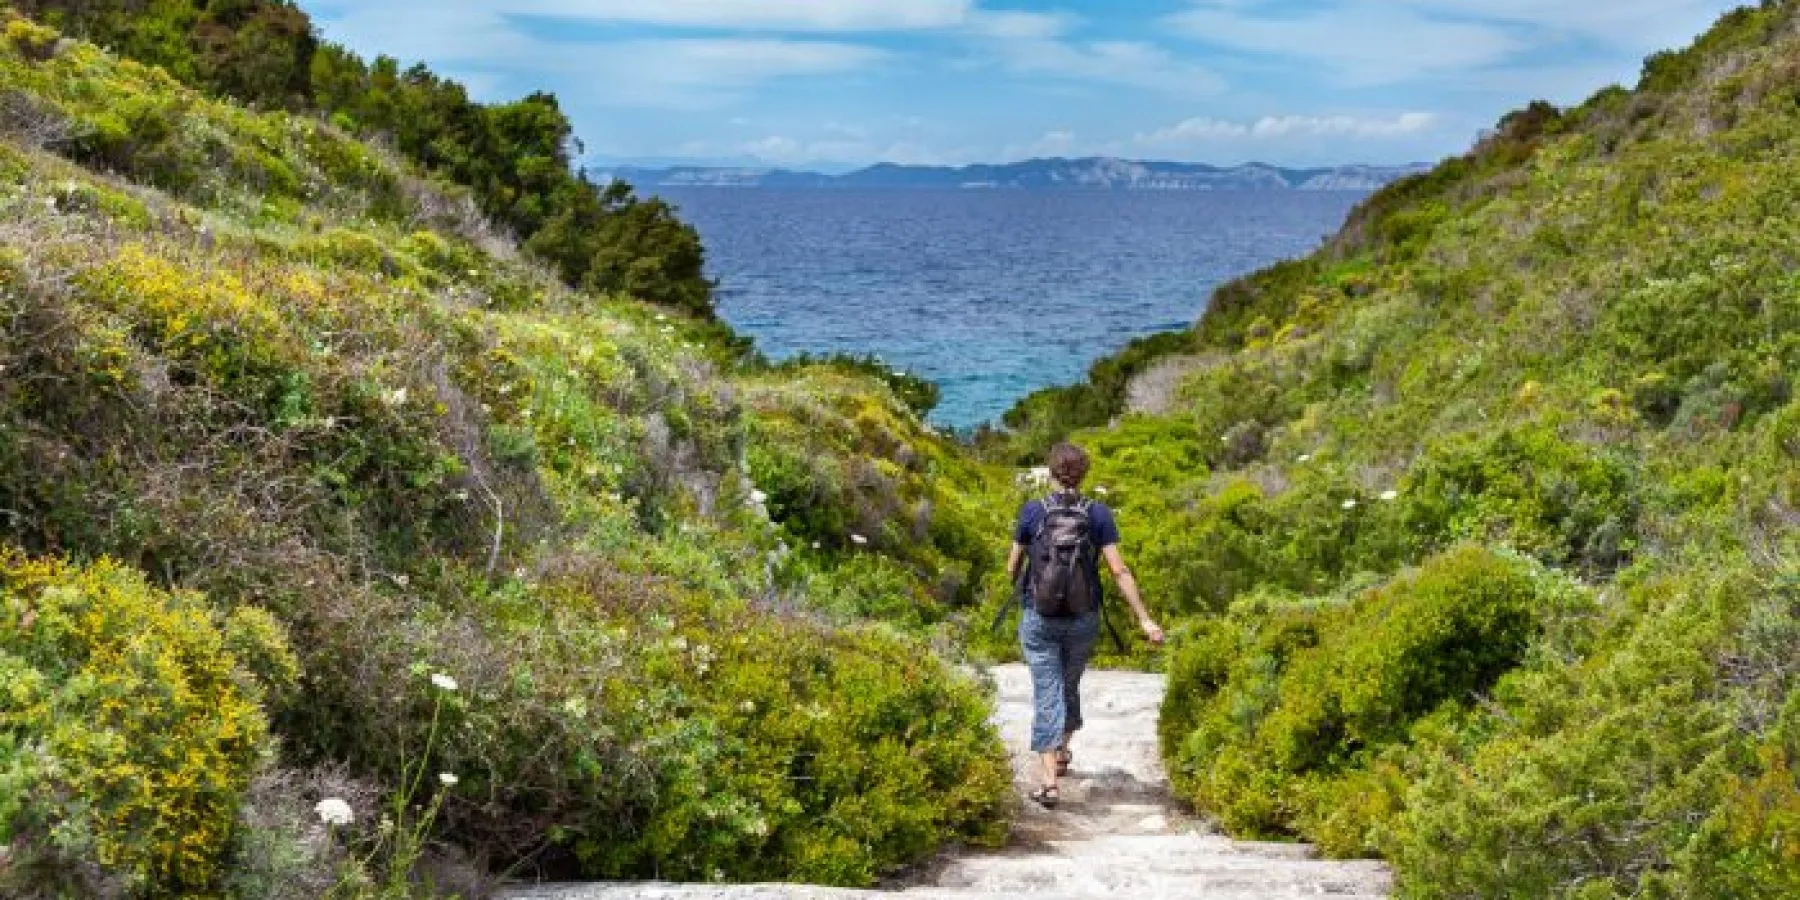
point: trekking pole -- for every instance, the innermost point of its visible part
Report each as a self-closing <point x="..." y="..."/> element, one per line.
<point x="1112" y="629"/>
<point x="1006" y="605"/>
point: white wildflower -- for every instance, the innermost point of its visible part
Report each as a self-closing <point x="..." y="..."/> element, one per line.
<point x="758" y="497"/>
<point x="334" y="811"/>
<point x="1305" y="459"/>
<point x="397" y="397"/>
<point x="748" y="706"/>
<point x="1101" y="490"/>
<point x="447" y="780"/>
<point x="1349" y="504"/>
<point x="817" y="545"/>
<point x="402" y="580"/>
<point x="858" y="540"/>
<point x="1390" y="496"/>
<point x="443" y="682"/>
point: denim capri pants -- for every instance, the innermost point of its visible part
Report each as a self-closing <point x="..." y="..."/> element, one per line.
<point x="1056" y="652"/>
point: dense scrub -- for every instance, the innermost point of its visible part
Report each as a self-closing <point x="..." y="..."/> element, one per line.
<point x="260" y="378"/>
<point x="131" y="724"/>
<point x="1482" y="520"/>
<point x="515" y="159"/>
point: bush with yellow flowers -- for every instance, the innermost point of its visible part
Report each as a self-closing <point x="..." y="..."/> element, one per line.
<point x="130" y="726"/>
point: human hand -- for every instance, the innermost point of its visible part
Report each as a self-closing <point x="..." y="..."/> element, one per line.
<point x="1152" y="632"/>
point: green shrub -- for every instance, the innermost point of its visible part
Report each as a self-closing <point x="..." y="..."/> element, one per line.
<point x="1616" y="775"/>
<point x="31" y="40"/>
<point x="673" y="741"/>
<point x="1048" y="416"/>
<point x="130" y="726"/>
<point x="1278" y="713"/>
<point x="918" y="393"/>
<point x="1562" y="502"/>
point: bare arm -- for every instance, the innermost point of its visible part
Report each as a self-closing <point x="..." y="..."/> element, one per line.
<point x="1012" y="562"/>
<point x="1129" y="587"/>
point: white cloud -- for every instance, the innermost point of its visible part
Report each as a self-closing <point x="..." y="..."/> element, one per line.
<point x="1342" y="126"/>
<point x="1656" y="23"/>
<point x="786" y="150"/>
<point x="1384" y="42"/>
<point x="1564" y="85"/>
<point x="703" y="72"/>
<point x="1133" y="64"/>
<point x="1365" y="43"/>
<point x="1202" y="131"/>
<point x="675" y="72"/>
<point x="1226" y="140"/>
<point x="453" y="33"/>
<point x="759" y="15"/>
<point x="1017" y="25"/>
<point x="1060" y="142"/>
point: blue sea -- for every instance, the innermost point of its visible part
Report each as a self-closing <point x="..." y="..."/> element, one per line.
<point x="991" y="294"/>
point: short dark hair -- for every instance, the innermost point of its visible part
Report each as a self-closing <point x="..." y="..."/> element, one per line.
<point x="1068" y="465"/>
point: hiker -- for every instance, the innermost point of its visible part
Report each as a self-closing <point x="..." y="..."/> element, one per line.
<point x="1055" y="560"/>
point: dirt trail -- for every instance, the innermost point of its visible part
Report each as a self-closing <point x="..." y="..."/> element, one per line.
<point x="1116" y="833"/>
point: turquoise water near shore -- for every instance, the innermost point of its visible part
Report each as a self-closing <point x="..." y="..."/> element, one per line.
<point x="992" y="294"/>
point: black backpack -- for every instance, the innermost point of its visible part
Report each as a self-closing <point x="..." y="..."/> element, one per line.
<point x="1061" y="563"/>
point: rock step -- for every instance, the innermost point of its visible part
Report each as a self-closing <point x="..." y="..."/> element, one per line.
<point x="1220" y="891"/>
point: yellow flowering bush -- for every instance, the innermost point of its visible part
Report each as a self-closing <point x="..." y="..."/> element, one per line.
<point x="32" y="40"/>
<point x="130" y="723"/>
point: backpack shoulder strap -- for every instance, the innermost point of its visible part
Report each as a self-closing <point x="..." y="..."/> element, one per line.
<point x="1043" y="520"/>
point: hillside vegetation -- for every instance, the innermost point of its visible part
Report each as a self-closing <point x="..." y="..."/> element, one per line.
<point x="316" y="489"/>
<point x="513" y="158"/>
<point x="1484" y="521"/>
<point x="382" y="508"/>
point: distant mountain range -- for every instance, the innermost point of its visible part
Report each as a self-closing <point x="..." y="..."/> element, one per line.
<point x="1097" y="173"/>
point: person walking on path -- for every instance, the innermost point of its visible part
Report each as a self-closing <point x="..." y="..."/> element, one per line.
<point x="1056" y="552"/>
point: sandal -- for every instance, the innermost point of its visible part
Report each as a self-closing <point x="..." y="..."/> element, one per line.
<point x="1063" y="758"/>
<point x="1046" y="796"/>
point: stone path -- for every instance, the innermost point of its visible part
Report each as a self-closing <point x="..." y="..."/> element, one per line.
<point x="1116" y="833"/>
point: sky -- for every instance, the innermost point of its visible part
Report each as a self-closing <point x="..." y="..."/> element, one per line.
<point x="832" y="84"/>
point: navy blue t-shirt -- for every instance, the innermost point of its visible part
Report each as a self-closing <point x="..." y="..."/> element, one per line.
<point x="1101" y="527"/>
